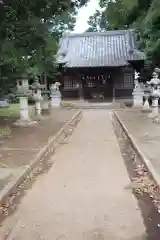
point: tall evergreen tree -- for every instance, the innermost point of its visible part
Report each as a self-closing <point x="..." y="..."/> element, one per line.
<point x="143" y="16"/>
<point x="29" y="33"/>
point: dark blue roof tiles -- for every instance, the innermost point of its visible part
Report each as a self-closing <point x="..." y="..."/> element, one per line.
<point x="112" y="48"/>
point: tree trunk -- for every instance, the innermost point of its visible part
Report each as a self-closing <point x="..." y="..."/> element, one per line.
<point x="45" y="81"/>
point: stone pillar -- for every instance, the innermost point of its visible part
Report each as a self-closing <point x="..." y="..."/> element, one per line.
<point x="24" y="116"/>
<point x="45" y="101"/>
<point x="36" y="88"/>
<point x="45" y="104"/>
<point x="38" y="108"/>
<point x="155" y="109"/>
<point x="23" y="93"/>
<point x="55" y="99"/>
<point x="55" y="95"/>
<point x="138" y="93"/>
<point x="154" y="83"/>
<point x="138" y="98"/>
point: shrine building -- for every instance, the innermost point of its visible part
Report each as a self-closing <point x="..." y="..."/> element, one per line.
<point x="99" y="65"/>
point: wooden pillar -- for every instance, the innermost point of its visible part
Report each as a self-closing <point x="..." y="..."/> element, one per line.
<point x="114" y="93"/>
<point x="80" y="88"/>
<point x="111" y="77"/>
<point x="81" y="92"/>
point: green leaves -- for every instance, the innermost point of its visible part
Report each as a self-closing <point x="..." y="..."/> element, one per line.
<point x="142" y="15"/>
<point x="30" y="31"/>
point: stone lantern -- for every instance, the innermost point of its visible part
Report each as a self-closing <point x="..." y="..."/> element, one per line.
<point x="36" y="91"/>
<point x="55" y="95"/>
<point x="155" y="94"/>
<point x="138" y="92"/>
<point x="23" y="93"/>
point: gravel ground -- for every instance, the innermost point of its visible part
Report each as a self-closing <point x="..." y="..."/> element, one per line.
<point x="83" y="196"/>
<point x="143" y="186"/>
<point x="10" y="206"/>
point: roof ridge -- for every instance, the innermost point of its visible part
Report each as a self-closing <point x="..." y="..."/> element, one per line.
<point x="106" y="33"/>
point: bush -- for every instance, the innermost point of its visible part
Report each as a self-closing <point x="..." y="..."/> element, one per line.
<point x="13" y="98"/>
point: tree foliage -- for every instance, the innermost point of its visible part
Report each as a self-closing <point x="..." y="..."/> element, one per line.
<point x="142" y="15"/>
<point x="29" y="34"/>
<point x="97" y="22"/>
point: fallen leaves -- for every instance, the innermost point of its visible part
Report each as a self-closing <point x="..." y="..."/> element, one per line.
<point x="142" y="182"/>
<point x="44" y="164"/>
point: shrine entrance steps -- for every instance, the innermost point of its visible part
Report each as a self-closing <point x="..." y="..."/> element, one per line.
<point x="93" y="105"/>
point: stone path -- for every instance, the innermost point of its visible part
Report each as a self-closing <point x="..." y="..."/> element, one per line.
<point x="82" y="197"/>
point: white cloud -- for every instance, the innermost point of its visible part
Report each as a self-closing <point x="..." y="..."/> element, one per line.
<point x="84" y="14"/>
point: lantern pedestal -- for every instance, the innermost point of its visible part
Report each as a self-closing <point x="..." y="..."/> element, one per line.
<point x="138" y="98"/>
<point x="36" y="88"/>
<point x="55" y="95"/>
<point x="45" y="102"/>
<point x="23" y="93"/>
<point x="55" y="101"/>
<point x="38" y="108"/>
<point x="155" y="84"/>
<point x="45" y="107"/>
<point x="155" y="110"/>
<point x="24" y="116"/>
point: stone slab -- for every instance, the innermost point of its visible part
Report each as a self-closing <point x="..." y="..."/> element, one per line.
<point x="96" y="105"/>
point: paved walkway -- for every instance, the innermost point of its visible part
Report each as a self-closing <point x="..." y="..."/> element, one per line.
<point x="82" y="197"/>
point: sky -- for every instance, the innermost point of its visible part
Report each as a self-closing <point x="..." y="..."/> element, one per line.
<point x="84" y="14"/>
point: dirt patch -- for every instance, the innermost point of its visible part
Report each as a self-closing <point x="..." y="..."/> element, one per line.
<point x="142" y="185"/>
<point x="31" y="138"/>
<point x="16" y="157"/>
<point x="42" y="167"/>
<point x="24" y="143"/>
<point x="7" y="121"/>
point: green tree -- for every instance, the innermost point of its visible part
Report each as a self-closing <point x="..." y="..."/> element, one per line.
<point x="97" y="22"/>
<point x="143" y="16"/>
<point x="30" y="31"/>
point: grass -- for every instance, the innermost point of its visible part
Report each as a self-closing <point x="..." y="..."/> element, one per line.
<point x="5" y="131"/>
<point x="12" y="111"/>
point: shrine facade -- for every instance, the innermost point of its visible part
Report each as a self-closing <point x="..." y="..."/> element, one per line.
<point x="99" y="65"/>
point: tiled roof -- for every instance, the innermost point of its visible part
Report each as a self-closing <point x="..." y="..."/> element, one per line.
<point x="95" y="49"/>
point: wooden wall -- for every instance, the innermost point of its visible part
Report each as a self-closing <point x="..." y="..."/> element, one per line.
<point x="98" y="80"/>
<point x="123" y="82"/>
